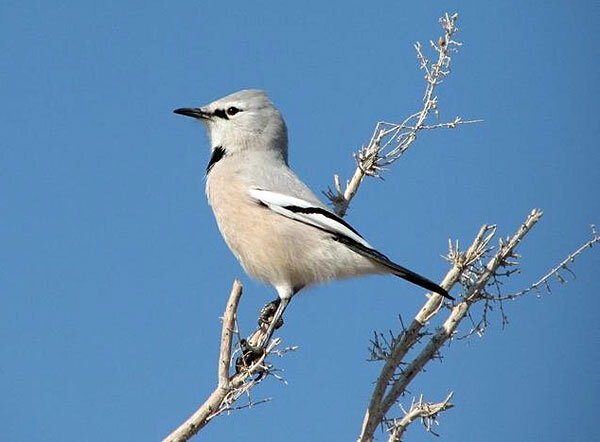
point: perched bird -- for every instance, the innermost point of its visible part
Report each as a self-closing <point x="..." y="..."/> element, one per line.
<point x="277" y="228"/>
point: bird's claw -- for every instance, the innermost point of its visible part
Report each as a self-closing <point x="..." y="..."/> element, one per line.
<point x="248" y="357"/>
<point x="267" y="312"/>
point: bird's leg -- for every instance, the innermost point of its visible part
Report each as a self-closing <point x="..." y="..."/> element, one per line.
<point x="267" y="312"/>
<point x="249" y="356"/>
<point x="277" y="318"/>
<point x="273" y="320"/>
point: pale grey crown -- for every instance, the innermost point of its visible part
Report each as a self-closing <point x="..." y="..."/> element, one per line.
<point x="246" y="121"/>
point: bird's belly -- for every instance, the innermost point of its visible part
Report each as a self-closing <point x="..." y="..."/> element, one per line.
<point x="264" y="245"/>
<point x="276" y="249"/>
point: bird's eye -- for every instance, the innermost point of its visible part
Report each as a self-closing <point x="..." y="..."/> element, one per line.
<point x="233" y="110"/>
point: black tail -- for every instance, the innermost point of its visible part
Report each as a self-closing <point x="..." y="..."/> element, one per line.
<point x="396" y="269"/>
<point x="417" y="279"/>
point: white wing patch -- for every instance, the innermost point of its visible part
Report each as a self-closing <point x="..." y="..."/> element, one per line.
<point x="306" y="212"/>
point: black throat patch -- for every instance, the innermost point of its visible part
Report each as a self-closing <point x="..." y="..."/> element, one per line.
<point x="217" y="154"/>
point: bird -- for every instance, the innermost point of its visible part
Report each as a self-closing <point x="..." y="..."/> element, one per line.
<point x="277" y="228"/>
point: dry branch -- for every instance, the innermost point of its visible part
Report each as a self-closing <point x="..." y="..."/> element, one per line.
<point x="388" y="389"/>
<point x="457" y="313"/>
<point x="425" y="411"/>
<point x="396" y="375"/>
<point x="413" y="333"/>
<point x="214" y="403"/>
<point x="230" y="387"/>
<point x="389" y="141"/>
<point x="555" y="272"/>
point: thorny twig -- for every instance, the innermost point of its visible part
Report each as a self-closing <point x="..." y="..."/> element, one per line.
<point x="426" y="411"/>
<point x="389" y="388"/>
<point x="244" y="381"/>
<point x="389" y="141"/>
<point x="230" y="387"/>
<point x="555" y="272"/>
<point x="477" y="278"/>
<point x="511" y="265"/>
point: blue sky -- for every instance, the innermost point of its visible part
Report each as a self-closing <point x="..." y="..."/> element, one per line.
<point x="112" y="272"/>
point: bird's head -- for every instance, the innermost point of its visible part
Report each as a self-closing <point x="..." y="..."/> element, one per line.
<point x="243" y="121"/>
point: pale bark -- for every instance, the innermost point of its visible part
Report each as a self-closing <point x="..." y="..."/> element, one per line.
<point x="425" y="411"/>
<point x="215" y="401"/>
<point x="376" y="411"/>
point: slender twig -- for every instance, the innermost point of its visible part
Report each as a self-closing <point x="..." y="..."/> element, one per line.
<point x="389" y="141"/>
<point x="426" y="411"/>
<point x="544" y="281"/>
<point x="231" y="387"/>
<point x="207" y="410"/>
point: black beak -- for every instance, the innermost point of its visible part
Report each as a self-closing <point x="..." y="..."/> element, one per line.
<point x="193" y="112"/>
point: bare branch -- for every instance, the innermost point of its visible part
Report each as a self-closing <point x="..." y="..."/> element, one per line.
<point x="426" y="411"/>
<point x="389" y="141"/>
<point x="382" y="400"/>
<point x="449" y="125"/>
<point x="207" y="411"/>
<point x="458" y="312"/>
<point x="555" y="272"/>
<point x="412" y="334"/>
<point x="229" y="320"/>
<point x="230" y="387"/>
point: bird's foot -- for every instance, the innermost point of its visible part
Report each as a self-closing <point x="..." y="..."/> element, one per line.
<point x="267" y="312"/>
<point x="249" y="356"/>
<point x="250" y="353"/>
<point x="270" y="319"/>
